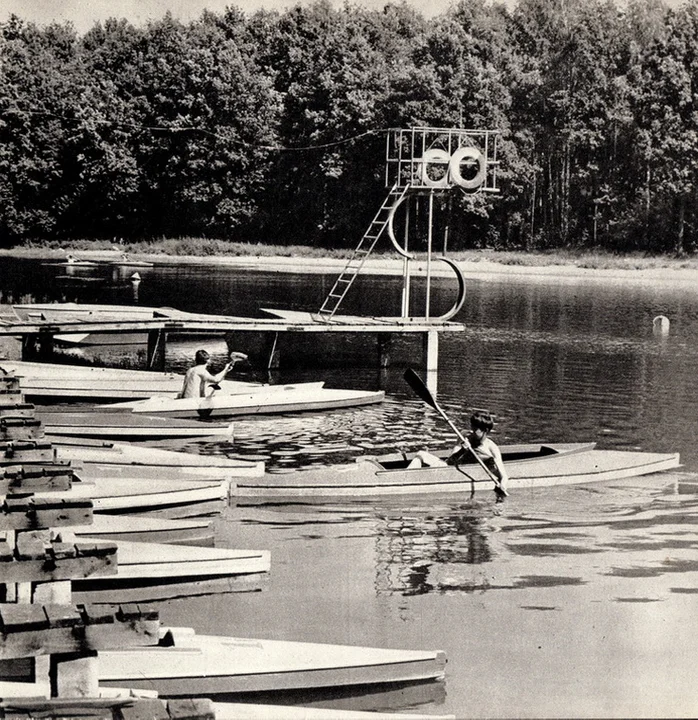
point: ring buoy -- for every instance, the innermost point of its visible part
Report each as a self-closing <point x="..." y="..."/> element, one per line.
<point x="454" y="168"/>
<point x="434" y="156"/>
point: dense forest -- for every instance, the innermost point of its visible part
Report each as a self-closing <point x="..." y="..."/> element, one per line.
<point x="271" y="127"/>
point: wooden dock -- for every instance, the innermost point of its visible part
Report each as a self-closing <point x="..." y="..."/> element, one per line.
<point x="38" y="334"/>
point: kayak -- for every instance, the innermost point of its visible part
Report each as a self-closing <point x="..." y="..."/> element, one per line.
<point x="186" y="663"/>
<point x="528" y="466"/>
<point x="270" y="400"/>
<point x="127" y="426"/>
<point x="91" y="455"/>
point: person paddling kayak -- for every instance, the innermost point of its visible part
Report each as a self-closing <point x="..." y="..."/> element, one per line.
<point x="198" y="377"/>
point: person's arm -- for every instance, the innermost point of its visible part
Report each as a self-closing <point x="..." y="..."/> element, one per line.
<point x="215" y="379"/>
<point x="498" y="462"/>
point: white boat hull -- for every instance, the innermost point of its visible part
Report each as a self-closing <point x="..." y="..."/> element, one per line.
<point x="121" y="459"/>
<point x="117" y="495"/>
<point x="148" y="571"/>
<point x="128" y="426"/>
<point x="570" y="463"/>
<point x="210" y="666"/>
<point x="141" y="528"/>
<point x="290" y="398"/>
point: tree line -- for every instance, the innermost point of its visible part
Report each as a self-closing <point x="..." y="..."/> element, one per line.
<point x="271" y="127"/>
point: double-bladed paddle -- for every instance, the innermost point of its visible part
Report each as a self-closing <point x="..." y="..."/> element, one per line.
<point x="417" y="384"/>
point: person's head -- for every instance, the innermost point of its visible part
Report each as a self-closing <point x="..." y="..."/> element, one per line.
<point x="201" y="357"/>
<point x="481" y="422"/>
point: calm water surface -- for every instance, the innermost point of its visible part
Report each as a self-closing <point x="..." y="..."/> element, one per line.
<point x="570" y="602"/>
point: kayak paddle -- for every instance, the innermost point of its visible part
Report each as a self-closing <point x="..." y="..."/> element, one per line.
<point x="417" y="384"/>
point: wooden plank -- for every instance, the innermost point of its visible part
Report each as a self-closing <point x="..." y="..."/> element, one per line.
<point x="147" y="709"/>
<point x="10" y="406"/>
<point x="28" y="513"/>
<point x="191" y="709"/>
<point x="28" y="630"/>
<point x="36" y="478"/>
<point x="35" y="561"/>
<point x="18" y="451"/>
<point x="20" y="428"/>
<point x="120" y="708"/>
<point x="304" y="324"/>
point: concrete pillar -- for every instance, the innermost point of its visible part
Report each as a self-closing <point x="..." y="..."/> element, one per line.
<point x="430" y="341"/>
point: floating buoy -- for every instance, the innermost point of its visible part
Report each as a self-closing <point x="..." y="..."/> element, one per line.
<point x="660" y="325"/>
<point x="135" y="278"/>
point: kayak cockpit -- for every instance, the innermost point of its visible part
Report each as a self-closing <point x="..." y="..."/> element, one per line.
<point x="510" y="453"/>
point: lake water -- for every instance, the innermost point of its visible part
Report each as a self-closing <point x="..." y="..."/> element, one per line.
<point x="570" y="602"/>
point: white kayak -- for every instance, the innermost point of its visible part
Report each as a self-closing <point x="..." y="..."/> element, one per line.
<point x="150" y="571"/>
<point x="92" y="458"/>
<point x="271" y="400"/>
<point x="127" y="426"/>
<point x="142" y="528"/>
<point x="188" y="664"/>
<point x="118" y="495"/>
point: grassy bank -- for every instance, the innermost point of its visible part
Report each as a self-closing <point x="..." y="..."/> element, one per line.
<point x="205" y="248"/>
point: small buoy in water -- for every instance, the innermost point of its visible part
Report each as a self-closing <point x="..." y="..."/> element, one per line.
<point x="660" y="325"/>
<point x="135" y="278"/>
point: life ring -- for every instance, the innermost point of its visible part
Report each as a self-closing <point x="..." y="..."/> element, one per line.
<point x="454" y="171"/>
<point x="434" y="156"/>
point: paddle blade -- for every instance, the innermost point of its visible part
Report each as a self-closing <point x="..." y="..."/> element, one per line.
<point x="417" y="384"/>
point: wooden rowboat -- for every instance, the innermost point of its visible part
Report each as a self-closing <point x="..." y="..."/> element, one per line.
<point x="528" y="466"/>
<point x="292" y="398"/>
<point x="186" y="663"/>
<point x="154" y="571"/>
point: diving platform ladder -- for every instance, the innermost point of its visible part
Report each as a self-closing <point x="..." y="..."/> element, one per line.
<point x="346" y="278"/>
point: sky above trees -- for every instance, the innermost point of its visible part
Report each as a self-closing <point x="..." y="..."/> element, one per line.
<point x="84" y="13"/>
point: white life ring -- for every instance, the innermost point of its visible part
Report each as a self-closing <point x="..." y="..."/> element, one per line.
<point x="434" y="156"/>
<point x="454" y="170"/>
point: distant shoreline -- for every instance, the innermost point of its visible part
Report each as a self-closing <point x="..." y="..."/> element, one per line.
<point x="479" y="265"/>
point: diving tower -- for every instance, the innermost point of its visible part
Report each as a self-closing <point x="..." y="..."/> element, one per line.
<point x="421" y="161"/>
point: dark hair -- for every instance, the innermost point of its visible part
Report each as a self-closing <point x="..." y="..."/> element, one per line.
<point x="481" y="420"/>
<point x="201" y="357"/>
